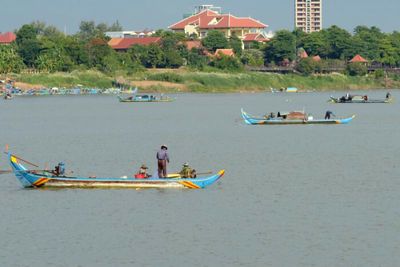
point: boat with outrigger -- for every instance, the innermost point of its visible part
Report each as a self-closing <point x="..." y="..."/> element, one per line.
<point x="361" y="99"/>
<point x="293" y="117"/>
<point x="51" y="179"/>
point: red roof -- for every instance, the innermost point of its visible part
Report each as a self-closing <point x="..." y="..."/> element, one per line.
<point x="255" y="37"/>
<point x="126" y="43"/>
<point x="358" y="59"/>
<point x="316" y="58"/>
<point x="209" y="19"/>
<point x="193" y="44"/>
<point x="7" y="37"/>
<point x="303" y="54"/>
<point x="226" y="52"/>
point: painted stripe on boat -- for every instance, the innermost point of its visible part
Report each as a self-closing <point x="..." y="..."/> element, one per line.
<point x="40" y="181"/>
<point x="190" y="184"/>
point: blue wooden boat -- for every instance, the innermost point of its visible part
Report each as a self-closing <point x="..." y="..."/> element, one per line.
<point x="285" y="118"/>
<point x="43" y="178"/>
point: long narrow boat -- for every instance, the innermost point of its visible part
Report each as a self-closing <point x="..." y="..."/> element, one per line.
<point x="42" y="178"/>
<point x="145" y="98"/>
<point x="251" y="120"/>
<point x="360" y="99"/>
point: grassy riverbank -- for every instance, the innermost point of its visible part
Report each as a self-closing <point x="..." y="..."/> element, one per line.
<point x="204" y="82"/>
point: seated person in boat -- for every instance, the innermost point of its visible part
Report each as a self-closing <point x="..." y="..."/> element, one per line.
<point x="59" y="170"/>
<point x="388" y="95"/>
<point x="187" y="172"/>
<point x="142" y="174"/>
<point x="365" y="98"/>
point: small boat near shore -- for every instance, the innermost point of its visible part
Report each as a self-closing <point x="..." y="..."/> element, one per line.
<point x="362" y="99"/>
<point x="44" y="178"/>
<point x="294" y="117"/>
<point x="285" y="90"/>
<point x="145" y="98"/>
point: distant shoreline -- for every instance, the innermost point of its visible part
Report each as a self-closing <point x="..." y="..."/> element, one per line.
<point x="182" y="81"/>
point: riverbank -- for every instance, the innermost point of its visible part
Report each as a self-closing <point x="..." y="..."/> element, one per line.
<point x="174" y="81"/>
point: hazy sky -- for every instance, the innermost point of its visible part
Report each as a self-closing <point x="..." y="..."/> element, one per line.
<point x="155" y="14"/>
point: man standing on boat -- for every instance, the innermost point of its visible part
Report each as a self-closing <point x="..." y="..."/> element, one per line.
<point x="328" y="115"/>
<point x="162" y="160"/>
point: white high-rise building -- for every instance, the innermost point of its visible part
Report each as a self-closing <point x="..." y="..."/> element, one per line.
<point x="308" y="15"/>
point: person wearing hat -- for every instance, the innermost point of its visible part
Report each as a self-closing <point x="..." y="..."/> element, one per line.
<point x="142" y="174"/>
<point x="187" y="172"/>
<point x="162" y="160"/>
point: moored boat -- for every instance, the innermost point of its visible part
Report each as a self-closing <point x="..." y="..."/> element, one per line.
<point x="360" y="99"/>
<point x="145" y="98"/>
<point x="43" y="178"/>
<point x="296" y="117"/>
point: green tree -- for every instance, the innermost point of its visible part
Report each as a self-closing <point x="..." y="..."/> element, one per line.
<point x="356" y="69"/>
<point x="154" y="56"/>
<point x="252" y="57"/>
<point x="306" y="66"/>
<point x="224" y="62"/>
<point x="281" y="47"/>
<point x="10" y="61"/>
<point x="197" y="59"/>
<point x="236" y="44"/>
<point x="215" y="40"/>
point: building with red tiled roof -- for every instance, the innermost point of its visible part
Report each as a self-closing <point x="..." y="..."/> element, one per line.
<point x="226" y="52"/>
<point x="7" y="38"/>
<point x="193" y="44"/>
<point x="208" y="19"/>
<point x="123" y="44"/>
<point x="358" y="59"/>
<point x="316" y="58"/>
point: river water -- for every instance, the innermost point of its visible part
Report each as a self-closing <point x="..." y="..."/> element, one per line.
<point x="315" y="195"/>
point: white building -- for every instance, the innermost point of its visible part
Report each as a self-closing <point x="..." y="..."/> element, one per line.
<point x="308" y="15"/>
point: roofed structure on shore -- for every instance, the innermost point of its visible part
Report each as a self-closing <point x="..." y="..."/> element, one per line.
<point x="7" y="37"/>
<point x="208" y="18"/>
<point x="123" y="44"/>
<point x="224" y="52"/>
<point x="358" y="59"/>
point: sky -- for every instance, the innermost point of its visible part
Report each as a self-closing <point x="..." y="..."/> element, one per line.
<point x="159" y="14"/>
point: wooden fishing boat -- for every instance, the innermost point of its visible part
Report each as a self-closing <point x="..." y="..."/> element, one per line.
<point x="290" y="118"/>
<point x="285" y="90"/>
<point x="145" y="98"/>
<point x="43" y="178"/>
<point x="359" y="99"/>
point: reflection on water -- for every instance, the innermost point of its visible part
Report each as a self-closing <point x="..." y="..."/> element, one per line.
<point x="315" y="195"/>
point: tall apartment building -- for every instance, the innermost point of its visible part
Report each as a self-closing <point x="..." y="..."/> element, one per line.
<point x="308" y="15"/>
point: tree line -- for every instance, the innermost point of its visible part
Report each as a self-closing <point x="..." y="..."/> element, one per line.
<point x="46" y="49"/>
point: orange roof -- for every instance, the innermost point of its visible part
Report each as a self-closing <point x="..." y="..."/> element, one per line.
<point x="7" y="37"/>
<point x="209" y="19"/>
<point x="193" y="44"/>
<point x="303" y="54"/>
<point x="126" y="43"/>
<point x="316" y="58"/>
<point x="255" y="37"/>
<point x="114" y="41"/>
<point x="227" y="52"/>
<point x="358" y="59"/>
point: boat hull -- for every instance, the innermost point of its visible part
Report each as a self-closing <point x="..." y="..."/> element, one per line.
<point x="32" y="179"/>
<point x="371" y="101"/>
<point x="250" y="120"/>
<point x="127" y="100"/>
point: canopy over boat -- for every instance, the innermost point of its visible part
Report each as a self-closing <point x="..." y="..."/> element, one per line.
<point x="296" y="117"/>
<point x="43" y="178"/>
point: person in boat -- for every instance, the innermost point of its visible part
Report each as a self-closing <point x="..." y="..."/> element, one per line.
<point x="162" y="160"/>
<point x="365" y="98"/>
<point x="59" y="169"/>
<point x="142" y="174"/>
<point x="187" y="172"/>
<point x="388" y="95"/>
<point x="328" y="115"/>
